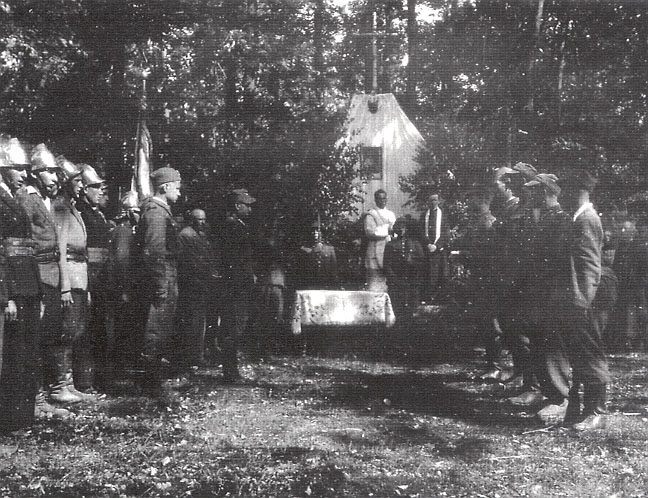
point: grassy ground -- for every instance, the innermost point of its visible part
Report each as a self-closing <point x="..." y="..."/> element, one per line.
<point x="366" y="417"/>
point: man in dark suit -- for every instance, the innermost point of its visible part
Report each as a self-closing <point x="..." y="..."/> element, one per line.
<point x="19" y="297"/>
<point x="436" y="237"/>
<point x="577" y="342"/>
<point x="158" y="248"/>
<point x="238" y="254"/>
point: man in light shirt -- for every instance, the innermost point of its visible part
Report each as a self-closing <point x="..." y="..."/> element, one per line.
<point x="378" y="226"/>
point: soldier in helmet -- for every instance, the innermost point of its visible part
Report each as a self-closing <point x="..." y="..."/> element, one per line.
<point x="74" y="354"/>
<point x="37" y="198"/>
<point x="91" y="202"/>
<point x="158" y="248"/>
<point x="19" y="296"/>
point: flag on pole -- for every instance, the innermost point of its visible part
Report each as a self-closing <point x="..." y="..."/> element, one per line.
<point x="141" y="181"/>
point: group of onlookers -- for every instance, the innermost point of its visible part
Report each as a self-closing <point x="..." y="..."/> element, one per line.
<point x="89" y="302"/>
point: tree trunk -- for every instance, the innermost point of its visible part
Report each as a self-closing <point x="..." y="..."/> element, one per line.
<point x="318" y="47"/>
<point x="532" y="53"/>
<point x="412" y="56"/>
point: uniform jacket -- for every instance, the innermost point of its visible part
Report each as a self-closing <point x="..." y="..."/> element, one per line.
<point x="404" y="260"/>
<point x="97" y="226"/>
<point x="73" y="243"/>
<point x="122" y="244"/>
<point x="378" y="225"/>
<point x="585" y="246"/>
<point x="44" y="233"/>
<point x="238" y="252"/>
<point x="428" y="238"/>
<point x="198" y="262"/>
<point x="18" y="274"/>
<point x="158" y="243"/>
<point x="318" y="267"/>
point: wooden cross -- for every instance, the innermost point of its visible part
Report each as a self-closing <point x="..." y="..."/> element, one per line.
<point x="374" y="35"/>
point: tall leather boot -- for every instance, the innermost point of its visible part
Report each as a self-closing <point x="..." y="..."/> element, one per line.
<point x="594" y="407"/>
<point x="83" y="376"/>
<point x="60" y="391"/>
<point x="574" y="407"/>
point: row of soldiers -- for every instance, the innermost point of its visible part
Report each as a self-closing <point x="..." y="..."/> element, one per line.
<point x="85" y="298"/>
<point x="535" y="267"/>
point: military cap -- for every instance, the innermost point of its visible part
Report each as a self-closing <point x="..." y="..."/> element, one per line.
<point x="42" y="158"/>
<point x="502" y="172"/>
<point x="241" y="195"/>
<point x="527" y="171"/>
<point x="12" y="153"/>
<point x="580" y="179"/>
<point x="165" y="175"/>
<point x="548" y="180"/>
<point x="90" y="176"/>
<point x="68" y="169"/>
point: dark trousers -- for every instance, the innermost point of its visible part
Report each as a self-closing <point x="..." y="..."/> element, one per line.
<point x="437" y="274"/>
<point x="236" y="318"/>
<point x="575" y="341"/>
<point x="20" y="366"/>
<point x="76" y="333"/>
<point x="160" y="318"/>
<point x="193" y="320"/>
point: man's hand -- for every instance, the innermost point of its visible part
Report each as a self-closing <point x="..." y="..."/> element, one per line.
<point x="66" y="299"/>
<point x="11" y="311"/>
<point x="432" y="248"/>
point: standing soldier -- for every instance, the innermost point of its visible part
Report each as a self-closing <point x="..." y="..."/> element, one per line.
<point x="577" y="342"/>
<point x="19" y="297"/>
<point x="90" y="205"/>
<point x="318" y="263"/>
<point x="125" y="317"/>
<point x="74" y="354"/>
<point x="158" y="248"/>
<point x="198" y="270"/>
<point x="36" y="199"/>
<point x="238" y="266"/>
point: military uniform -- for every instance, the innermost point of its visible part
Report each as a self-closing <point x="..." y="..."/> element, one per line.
<point x="158" y="248"/>
<point x="435" y="232"/>
<point x="404" y="264"/>
<point x="198" y="271"/>
<point x="100" y="284"/>
<point x="318" y="267"/>
<point x="19" y="281"/>
<point x="238" y="255"/>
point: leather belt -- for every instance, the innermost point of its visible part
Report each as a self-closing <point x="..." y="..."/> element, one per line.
<point x="76" y="256"/>
<point x="17" y="246"/>
<point x="47" y="257"/>
<point x="97" y="254"/>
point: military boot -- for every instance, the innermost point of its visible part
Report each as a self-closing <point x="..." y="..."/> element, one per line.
<point x="61" y="391"/>
<point x="594" y="409"/>
<point x="42" y="409"/>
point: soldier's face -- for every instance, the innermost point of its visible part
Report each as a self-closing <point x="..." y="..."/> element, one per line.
<point x="173" y="191"/>
<point x="76" y="185"/>
<point x="47" y="182"/>
<point x="243" y="210"/>
<point x="14" y="178"/>
<point x="94" y="194"/>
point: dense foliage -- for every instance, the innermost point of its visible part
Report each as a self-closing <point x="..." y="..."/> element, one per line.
<point x="253" y="92"/>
